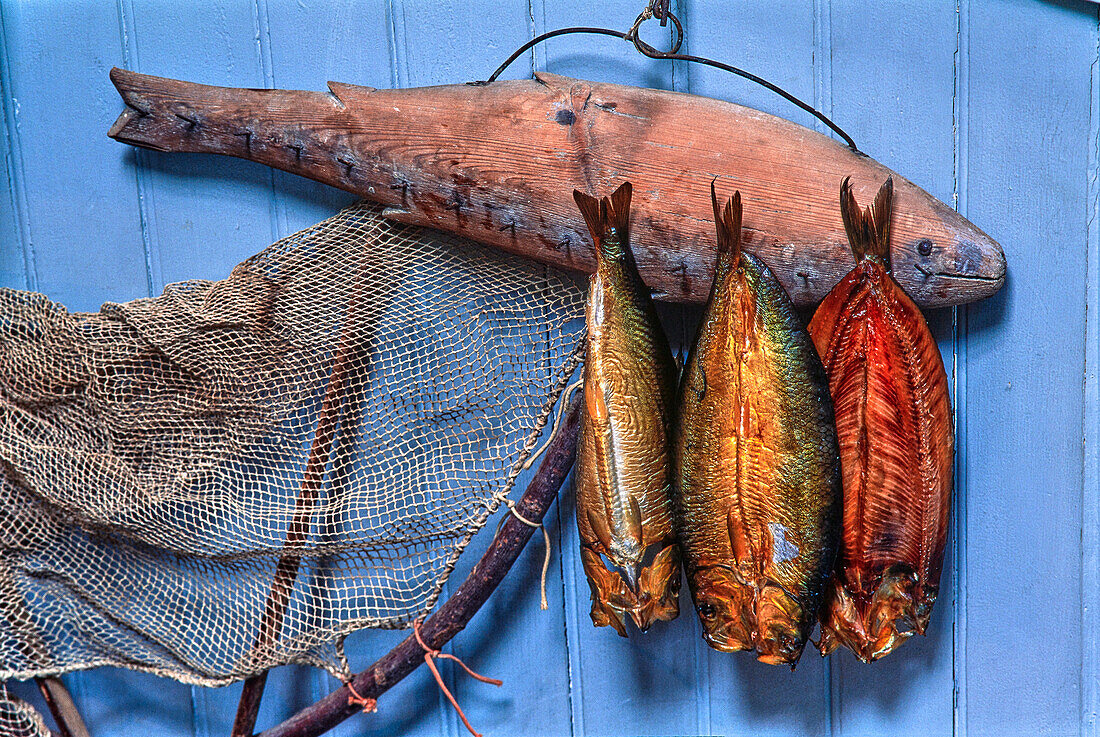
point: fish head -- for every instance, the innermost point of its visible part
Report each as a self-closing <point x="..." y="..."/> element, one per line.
<point x="783" y="626"/>
<point x="725" y="608"/>
<point x="891" y="616"/>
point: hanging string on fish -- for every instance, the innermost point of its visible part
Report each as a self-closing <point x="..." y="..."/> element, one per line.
<point x="659" y="10"/>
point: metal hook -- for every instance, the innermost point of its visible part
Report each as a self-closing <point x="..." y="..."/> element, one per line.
<point x="665" y="14"/>
<point x="660" y="10"/>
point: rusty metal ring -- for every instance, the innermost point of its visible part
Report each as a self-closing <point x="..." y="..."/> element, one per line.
<point x="663" y="15"/>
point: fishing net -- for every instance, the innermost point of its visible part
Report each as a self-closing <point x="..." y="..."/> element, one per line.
<point x="18" y="718"/>
<point x="237" y="474"/>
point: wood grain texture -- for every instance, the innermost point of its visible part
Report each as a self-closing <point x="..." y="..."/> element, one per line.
<point x="497" y="163"/>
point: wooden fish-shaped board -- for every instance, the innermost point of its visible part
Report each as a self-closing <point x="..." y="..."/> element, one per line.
<point x="497" y="163"/>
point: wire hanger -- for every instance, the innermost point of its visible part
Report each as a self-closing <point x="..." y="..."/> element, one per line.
<point x="659" y="9"/>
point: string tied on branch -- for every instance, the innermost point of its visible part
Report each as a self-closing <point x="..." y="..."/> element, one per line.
<point x="367" y="704"/>
<point x="566" y="395"/>
<point x="543" y="603"/>
<point x="430" y="654"/>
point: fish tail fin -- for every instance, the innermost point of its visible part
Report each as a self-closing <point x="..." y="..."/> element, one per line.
<point x="869" y="229"/>
<point x="882" y="211"/>
<point x="618" y="210"/>
<point x="594" y="213"/>
<point x="727" y="220"/>
<point x="608" y="220"/>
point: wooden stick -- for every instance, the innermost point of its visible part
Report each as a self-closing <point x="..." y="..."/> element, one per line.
<point x="457" y="611"/>
<point x="287" y="569"/>
<point x="63" y="708"/>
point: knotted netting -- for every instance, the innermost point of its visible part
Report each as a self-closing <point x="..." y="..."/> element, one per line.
<point x="237" y="474"/>
<point x="18" y="718"/>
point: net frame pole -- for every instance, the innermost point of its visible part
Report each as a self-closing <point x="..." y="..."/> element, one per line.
<point x="456" y="612"/>
<point x="62" y="707"/>
<point x="324" y="437"/>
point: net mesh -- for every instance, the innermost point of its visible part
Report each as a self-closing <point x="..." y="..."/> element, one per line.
<point x="18" y="718"/>
<point x="236" y="474"/>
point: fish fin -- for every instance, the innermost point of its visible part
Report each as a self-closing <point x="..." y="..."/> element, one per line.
<point x="610" y="599"/>
<point x="659" y="589"/>
<point x="593" y="210"/>
<point x="727" y="220"/>
<point x="618" y="211"/>
<point x="600" y="529"/>
<point x="739" y="539"/>
<point x="882" y="211"/>
<point x="608" y="220"/>
<point x="868" y="230"/>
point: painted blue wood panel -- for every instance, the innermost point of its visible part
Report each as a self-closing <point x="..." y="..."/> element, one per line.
<point x="1028" y="129"/>
<point x="992" y="105"/>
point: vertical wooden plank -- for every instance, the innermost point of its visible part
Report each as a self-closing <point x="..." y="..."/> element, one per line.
<point x="79" y="196"/>
<point x="781" y="42"/>
<point x="775" y="40"/>
<point x="198" y="232"/>
<point x="1090" y="499"/>
<point x="960" y="570"/>
<point x="600" y="58"/>
<point x="303" y="47"/>
<point x="17" y="268"/>
<point x="308" y="45"/>
<point x="88" y="241"/>
<point x="511" y="639"/>
<point x="892" y="84"/>
<point x="1029" y="105"/>
<point x="640" y="685"/>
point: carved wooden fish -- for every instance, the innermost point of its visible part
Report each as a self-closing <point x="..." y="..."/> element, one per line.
<point x="496" y="162"/>
<point x="622" y="472"/>
<point x="893" y="417"/>
<point x="755" y="462"/>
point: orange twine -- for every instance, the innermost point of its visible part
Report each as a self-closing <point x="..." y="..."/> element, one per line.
<point x="429" y="657"/>
<point x="368" y="705"/>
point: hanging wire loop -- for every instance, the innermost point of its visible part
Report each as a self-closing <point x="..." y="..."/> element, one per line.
<point x="658" y="9"/>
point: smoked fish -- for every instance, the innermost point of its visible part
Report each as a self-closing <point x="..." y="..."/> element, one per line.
<point x="623" y="482"/>
<point x="755" y="461"/>
<point x="893" y="416"/>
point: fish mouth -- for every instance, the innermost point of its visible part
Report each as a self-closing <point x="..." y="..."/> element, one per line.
<point x="779" y="659"/>
<point x="631" y="573"/>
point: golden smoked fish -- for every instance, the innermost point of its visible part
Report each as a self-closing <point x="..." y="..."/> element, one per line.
<point x="755" y="462"/>
<point x="622" y="476"/>
<point x="893" y="417"/>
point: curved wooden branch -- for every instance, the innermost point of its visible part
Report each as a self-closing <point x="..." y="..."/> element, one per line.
<point x="453" y="616"/>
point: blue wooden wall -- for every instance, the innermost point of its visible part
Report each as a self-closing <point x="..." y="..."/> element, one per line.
<point x="991" y="105"/>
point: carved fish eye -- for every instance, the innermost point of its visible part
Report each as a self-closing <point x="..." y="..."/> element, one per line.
<point x="707" y="611"/>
